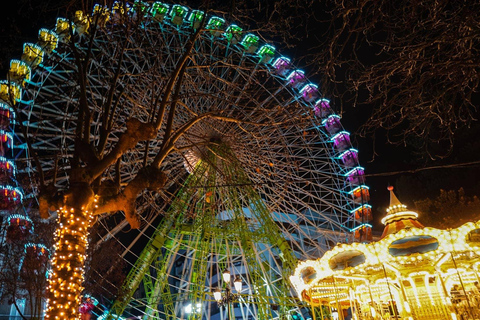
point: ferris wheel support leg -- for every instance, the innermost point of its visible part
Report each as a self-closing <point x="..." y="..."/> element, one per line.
<point x="153" y="249"/>
<point x="141" y="267"/>
<point x="270" y="233"/>
<point x="205" y="238"/>
<point x="159" y="290"/>
<point x="255" y="270"/>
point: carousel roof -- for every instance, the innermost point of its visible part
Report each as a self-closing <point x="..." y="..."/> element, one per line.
<point x="406" y="246"/>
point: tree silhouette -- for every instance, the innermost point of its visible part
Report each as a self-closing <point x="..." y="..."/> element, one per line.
<point x="415" y="62"/>
<point x="450" y="209"/>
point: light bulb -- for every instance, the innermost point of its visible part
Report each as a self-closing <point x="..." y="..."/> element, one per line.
<point x="238" y="283"/>
<point x="226" y="276"/>
<point x="217" y="294"/>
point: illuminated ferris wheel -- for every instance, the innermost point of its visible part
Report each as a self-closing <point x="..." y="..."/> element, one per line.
<point x="279" y="181"/>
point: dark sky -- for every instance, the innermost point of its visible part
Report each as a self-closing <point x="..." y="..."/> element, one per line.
<point x="21" y="21"/>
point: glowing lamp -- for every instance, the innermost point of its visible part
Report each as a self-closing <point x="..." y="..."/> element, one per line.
<point x="266" y="53"/>
<point x="217" y="294"/>
<point x="47" y="39"/>
<point x="19" y="227"/>
<point x="226" y="276"/>
<point x="237" y="283"/>
<point x="140" y="8"/>
<point x="32" y="54"/>
<point x="322" y="108"/>
<point x="349" y="158"/>
<point x="81" y="22"/>
<point x="19" y="72"/>
<point x="332" y="124"/>
<point x="9" y="91"/>
<point x="233" y="33"/>
<point x="62" y="29"/>
<point x="356" y="176"/>
<point x="195" y="18"/>
<point x="101" y="15"/>
<point x="360" y="194"/>
<point x="341" y="141"/>
<point x="178" y="13"/>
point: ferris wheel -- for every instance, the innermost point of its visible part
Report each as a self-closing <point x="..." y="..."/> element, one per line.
<point x="269" y="177"/>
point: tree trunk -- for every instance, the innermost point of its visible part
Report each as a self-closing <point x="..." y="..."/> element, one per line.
<point x="65" y="282"/>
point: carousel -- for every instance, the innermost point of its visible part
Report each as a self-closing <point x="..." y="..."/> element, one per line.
<point x="412" y="272"/>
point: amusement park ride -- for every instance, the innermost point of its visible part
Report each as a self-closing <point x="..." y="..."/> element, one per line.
<point x="276" y="182"/>
<point x="16" y="228"/>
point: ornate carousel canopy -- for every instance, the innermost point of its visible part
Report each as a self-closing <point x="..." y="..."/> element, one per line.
<point x="412" y="270"/>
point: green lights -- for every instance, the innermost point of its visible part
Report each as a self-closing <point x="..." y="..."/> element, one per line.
<point x="215" y="25"/>
<point x="266" y="53"/>
<point x="140" y="8"/>
<point x="178" y="13"/>
<point x="196" y="18"/>
<point x="158" y="11"/>
<point x="233" y="34"/>
<point x="250" y="43"/>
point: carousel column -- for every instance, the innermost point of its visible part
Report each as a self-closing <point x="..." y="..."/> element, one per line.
<point x="385" y="275"/>
<point x="353" y="306"/>
<point x="441" y="287"/>
<point x="339" y="306"/>
<point x="453" y="314"/>
<point x="477" y="290"/>
<point x="442" y="291"/>
<point x="312" y="307"/>
<point x="407" y="311"/>
<point x="469" y="311"/>
<point x="373" y="310"/>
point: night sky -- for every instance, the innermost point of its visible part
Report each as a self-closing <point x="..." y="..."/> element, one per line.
<point x="402" y="166"/>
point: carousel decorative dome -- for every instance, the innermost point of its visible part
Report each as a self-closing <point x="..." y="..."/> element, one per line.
<point x="398" y="217"/>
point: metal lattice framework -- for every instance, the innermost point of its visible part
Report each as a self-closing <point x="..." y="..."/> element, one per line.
<point x="280" y="181"/>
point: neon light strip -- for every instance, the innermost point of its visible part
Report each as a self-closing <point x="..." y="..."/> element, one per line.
<point x="368" y="225"/>
<point x="359" y="187"/>
<point x="361" y="207"/>
<point x="356" y="169"/>
<point x="329" y="117"/>
<point x="351" y="150"/>
<point x="339" y="134"/>
<point x="18" y="216"/>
